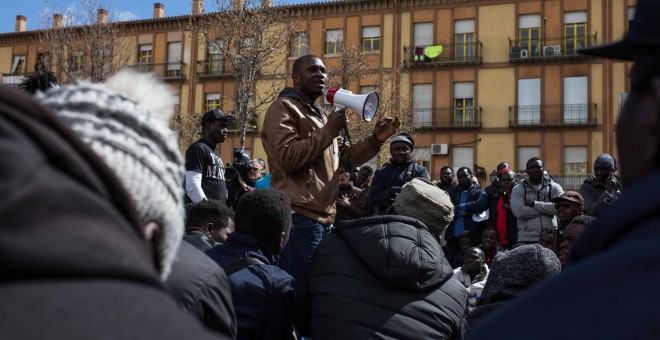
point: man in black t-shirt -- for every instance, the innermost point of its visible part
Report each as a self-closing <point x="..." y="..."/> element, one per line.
<point x="205" y="172"/>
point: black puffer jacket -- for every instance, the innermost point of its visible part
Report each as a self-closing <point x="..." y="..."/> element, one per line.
<point x="381" y="277"/>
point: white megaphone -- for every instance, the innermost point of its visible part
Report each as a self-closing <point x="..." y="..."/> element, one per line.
<point x="364" y="104"/>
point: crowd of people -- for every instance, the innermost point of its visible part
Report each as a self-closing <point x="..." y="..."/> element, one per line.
<point x="108" y="232"/>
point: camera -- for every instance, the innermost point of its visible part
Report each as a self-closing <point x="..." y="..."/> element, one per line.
<point x="239" y="166"/>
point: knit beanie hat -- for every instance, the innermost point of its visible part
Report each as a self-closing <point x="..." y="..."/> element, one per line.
<point x="604" y="161"/>
<point x="125" y="121"/>
<point x="426" y="202"/>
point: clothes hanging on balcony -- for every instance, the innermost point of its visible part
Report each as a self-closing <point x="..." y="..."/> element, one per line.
<point x="432" y="52"/>
<point x="418" y="56"/>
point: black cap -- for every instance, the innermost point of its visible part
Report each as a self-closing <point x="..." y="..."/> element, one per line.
<point x="644" y="34"/>
<point x="214" y="115"/>
<point x="403" y="137"/>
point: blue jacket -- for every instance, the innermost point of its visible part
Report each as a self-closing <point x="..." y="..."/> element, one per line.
<point x="475" y="203"/>
<point x="263" y="294"/>
<point x="388" y="180"/>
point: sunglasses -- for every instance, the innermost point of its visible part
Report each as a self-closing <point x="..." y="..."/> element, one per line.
<point x="563" y="206"/>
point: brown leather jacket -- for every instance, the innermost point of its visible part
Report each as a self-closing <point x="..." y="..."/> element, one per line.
<point x="303" y="155"/>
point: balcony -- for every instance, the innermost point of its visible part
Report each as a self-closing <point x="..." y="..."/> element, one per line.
<point x="13" y="79"/>
<point x="549" y="48"/>
<point x="165" y="71"/>
<point x="211" y="69"/>
<point x="443" y="55"/>
<point x="558" y="115"/>
<point x="447" y="118"/>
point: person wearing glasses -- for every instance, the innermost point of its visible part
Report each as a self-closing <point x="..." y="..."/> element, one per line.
<point x="246" y="180"/>
<point x="568" y="205"/>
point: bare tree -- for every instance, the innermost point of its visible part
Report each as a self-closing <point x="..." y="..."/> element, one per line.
<point x="85" y="40"/>
<point x="355" y="66"/>
<point x="253" y="40"/>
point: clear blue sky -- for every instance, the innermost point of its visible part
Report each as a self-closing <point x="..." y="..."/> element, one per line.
<point x="127" y="9"/>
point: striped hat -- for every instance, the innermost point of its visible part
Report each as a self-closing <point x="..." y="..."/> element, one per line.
<point x="126" y="121"/>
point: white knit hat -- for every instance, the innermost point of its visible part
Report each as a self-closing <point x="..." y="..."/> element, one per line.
<point x="125" y="120"/>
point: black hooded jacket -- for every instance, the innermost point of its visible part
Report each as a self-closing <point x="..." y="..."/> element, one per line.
<point x="73" y="262"/>
<point x="381" y="277"/>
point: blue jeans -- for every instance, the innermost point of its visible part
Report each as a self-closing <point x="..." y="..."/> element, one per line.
<point x="305" y="235"/>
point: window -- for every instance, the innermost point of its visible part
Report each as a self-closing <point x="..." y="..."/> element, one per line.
<point x="176" y="108"/>
<point x="575" y="31"/>
<point x="423" y="104"/>
<point x="333" y="41"/>
<point x="423" y="36"/>
<point x="371" y="38"/>
<point x="366" y="89"/>
<point x="575" y="160"/>
<point x="214" y="59"/>
<point x="464" y="104"/>
<point x="174" y="59"/>
<point x="45" y="60"/>
<point x="462" y="156"/>
<point x="77" y="62"/>
<point x="18" y="66"/>
<point x="575" y="100"/>
<point x="298" y="45"/>
<point x="529" y="34"/>
<point x="464" y="40"/>
<point x="212" y="101"/>
<point x="529" y="101"/>
<point x="525" y="153"/>
<point x="145" y="54"/>
<point x="631" y="15"/>
<point x="422" y="156"/>
<point x="102" y="61"/>
<point x="248" y="42"/>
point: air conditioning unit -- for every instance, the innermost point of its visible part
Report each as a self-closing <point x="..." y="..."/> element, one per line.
<point x="550" y="50"/>
<point x="524" y="53"/>
<point x="439" y="149"/>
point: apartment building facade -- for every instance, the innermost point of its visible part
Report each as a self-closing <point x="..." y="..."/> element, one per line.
<point x="481" y="82"/>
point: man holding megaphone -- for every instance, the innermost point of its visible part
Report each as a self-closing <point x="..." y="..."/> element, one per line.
<point x="303" y="154"/>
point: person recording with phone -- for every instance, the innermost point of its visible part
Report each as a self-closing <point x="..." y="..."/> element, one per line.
<point x="301" y="143"/>
<point x="603" y="188"/>
<point x="500" y="215"/>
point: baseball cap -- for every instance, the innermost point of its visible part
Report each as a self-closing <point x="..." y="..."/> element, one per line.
<point x="403" y="137"/>
<point x="214" y="115"/>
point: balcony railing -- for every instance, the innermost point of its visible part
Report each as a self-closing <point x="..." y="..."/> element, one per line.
<point x="212" y="68"/>
<point x="549" y="48"/>
<point x="564" y="115"/>
<point x="447" y="118"/>
<point x="171" y="70"/>
<point x="443" y="54"/>
<point x="13" y="79"/>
